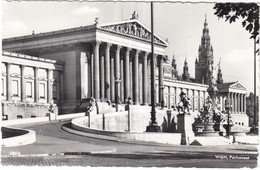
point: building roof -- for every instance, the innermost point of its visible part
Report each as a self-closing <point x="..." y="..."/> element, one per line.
<point x="230" y="85"/>
<point x="28" y="57"/>
<point x="115" y="28"/>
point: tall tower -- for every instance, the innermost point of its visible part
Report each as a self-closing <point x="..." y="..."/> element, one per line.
<point x="205" y="57"/>
<point x="174" y="68"/>
<point x="219" y="76"/>
<point x="185" y="74"/>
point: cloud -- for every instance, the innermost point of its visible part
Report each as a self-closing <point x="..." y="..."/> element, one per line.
<point x="14" y="28"/>
<point x="85" y="10"/>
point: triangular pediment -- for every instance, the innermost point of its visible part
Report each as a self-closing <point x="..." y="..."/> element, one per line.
<point x="133" y="28"/>
<point x="237" y="85"/>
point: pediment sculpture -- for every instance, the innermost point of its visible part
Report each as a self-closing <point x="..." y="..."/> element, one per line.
<point x="133" y="28"/>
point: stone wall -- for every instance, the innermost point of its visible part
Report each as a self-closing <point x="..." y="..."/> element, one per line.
<point x="134" y="121"/>
<point x="12" y="110"/>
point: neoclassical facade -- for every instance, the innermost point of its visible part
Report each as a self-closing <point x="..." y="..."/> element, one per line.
<point x="110" y="62"/>
<point x="29" y="85"/>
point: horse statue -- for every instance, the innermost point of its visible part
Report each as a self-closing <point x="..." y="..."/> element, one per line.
<point x="184" y="104"/>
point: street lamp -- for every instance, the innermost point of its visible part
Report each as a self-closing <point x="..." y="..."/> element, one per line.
<point x="117" y="81"/>
<point x="227" y="108"/>
<point x="152" y="127"/>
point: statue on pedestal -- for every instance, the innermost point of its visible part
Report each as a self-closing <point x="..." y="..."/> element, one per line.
<point x="184" y="104"/>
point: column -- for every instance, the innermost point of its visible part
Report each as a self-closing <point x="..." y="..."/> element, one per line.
<point x="145" y="79"/>
<point x="140" y="80"/>
<point x="199" y="100"/>
<point x="36" y="85"/>
<point x="131" y="73"/>
<point x="160" y="79"/>
<point x="8" y="82"/>
<point x="89" y="76"/>
<point x="175" y="97"/>
<point x="117" y="70"/>
<point x="239" y="104"/>
<point x="112" y="79"/>
<point x="122" y="79"/>
<point x="169" y="98"/>
<point x="96" y="71"/>
<point x="244" y="103"/>
<point x="149" y="79"/>
<point x="102" y="78"/>
<point x="136" y="70"/>
<point x="194" y="97"/>
<point x="49" y="86"/>
<point x="92" y="74"/>
<point x="61" y="86"/>
<point x="107" y="72"/>
<point x="231" y="102"/>
<point x="127" y="74"/>
<point x="23" y="84"/>
<point x="236" y="111"/>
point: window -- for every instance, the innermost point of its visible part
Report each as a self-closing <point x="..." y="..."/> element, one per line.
<point x="15" y="88"/>
<point x="54" y="92"/>
<point x="3" y="87"/>
<point x="42" y="90"/>
<point x="28" y="89"/>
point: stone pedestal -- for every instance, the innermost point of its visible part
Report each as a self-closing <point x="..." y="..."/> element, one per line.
<point x="153" y="128"/>
<point x="208" y="130"/>
<point x="184" y="122"/>
<point x="184" y="126"/>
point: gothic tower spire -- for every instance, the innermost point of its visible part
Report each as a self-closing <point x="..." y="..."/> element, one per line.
<point x="219" y="76"/>
<point x="174" y="68"/>
<point x="186" y="74"/>
<point x="205" y="56"/>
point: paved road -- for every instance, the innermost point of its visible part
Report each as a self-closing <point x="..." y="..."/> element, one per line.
<point x="73" y="150"/>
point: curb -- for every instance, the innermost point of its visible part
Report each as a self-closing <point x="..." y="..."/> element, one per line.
<point x="95" y="136"/>
<point x="110" y="138"/>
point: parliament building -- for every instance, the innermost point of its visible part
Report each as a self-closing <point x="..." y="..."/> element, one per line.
<point x="106" y="62"/>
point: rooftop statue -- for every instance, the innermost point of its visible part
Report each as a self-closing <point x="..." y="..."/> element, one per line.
<point x="135" y="15"/>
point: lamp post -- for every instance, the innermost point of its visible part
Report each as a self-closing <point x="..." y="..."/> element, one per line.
<point x="227" y="108"/>
<point x="152" y="127"/>
<point x="117" y="81"/>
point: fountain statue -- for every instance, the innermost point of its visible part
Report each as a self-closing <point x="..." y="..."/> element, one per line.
<point x="207" y="123"/>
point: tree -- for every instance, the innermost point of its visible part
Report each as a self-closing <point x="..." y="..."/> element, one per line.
<point x="250" y="108"/>
<point x="249" y="12"/>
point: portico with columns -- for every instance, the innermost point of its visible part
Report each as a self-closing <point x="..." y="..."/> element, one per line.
<point x="234" y="93"/>
<point x="106" y="56"/>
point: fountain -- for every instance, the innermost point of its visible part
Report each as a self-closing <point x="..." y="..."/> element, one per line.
<point x="210" y="118"/>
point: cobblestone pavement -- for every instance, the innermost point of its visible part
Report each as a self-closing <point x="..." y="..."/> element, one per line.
<point x="125" y="161"/>
<point x="72" y="150"/>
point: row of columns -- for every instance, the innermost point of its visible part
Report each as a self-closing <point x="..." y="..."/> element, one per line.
<point x="238" y="102"/>
<point x="129" y="72"/>
<point x="36" y="84"/>
<point x="197" y="97"/>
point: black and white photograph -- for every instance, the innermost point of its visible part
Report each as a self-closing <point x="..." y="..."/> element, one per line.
<point x="136" y="84"/>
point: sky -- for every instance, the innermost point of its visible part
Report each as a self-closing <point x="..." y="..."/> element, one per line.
<point x="180" y="23"/>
